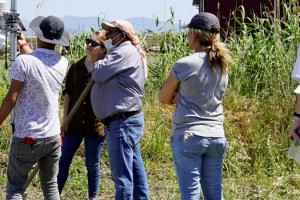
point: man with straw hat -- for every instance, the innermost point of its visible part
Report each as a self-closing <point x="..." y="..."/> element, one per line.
<point x="36" y="79"/>
<point x="119" y="81"/>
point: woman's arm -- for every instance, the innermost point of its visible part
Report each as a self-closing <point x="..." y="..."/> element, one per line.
<point x="65" y="112"/>
<point x="167" y="94"/>
<point x="66" y="106"/>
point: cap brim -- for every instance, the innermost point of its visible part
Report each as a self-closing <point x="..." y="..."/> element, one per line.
<point x="35" y="26"/>
<point x="107" y="25"/>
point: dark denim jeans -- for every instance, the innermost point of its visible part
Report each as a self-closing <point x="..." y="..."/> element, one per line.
<point x="126" y="164"/>
<point x="22" y="157"/>
<point x="92" y="161"/>
<point x="198" y="162"/>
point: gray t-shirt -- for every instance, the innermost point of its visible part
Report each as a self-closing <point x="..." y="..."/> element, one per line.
<point x="36" y="109"/>
<point x="199" y="96"/>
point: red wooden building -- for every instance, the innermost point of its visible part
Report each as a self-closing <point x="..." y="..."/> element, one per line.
<point x="224" y="8"/>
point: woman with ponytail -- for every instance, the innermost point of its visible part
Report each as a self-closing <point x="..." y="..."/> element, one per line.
<point x="196" y="85"/>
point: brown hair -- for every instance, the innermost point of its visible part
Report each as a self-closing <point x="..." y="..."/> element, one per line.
<point x="101" y="37"/>
<point x="218" y="53"/>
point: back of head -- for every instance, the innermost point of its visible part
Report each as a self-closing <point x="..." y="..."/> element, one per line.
<point x="206" y="30"/>
<point x="205" y="21"/>
<point x="50" y="30"/>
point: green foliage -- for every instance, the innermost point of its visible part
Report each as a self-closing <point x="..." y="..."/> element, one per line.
<point x="4" y="83"/>
<point x="77" y="46"/>
<point x="172" y="46"/>
<point x="267" y="51"/>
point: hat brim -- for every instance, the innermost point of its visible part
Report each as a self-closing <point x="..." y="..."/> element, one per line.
<point x="35" y="26"/>
<point x="107" y="25"/>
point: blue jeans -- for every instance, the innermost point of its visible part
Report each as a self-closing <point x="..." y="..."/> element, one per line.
<point x="198" y="163"/>
<point x="126" y="164"/>
<point x="92" y="161"/>
<point x="22" y="157"/>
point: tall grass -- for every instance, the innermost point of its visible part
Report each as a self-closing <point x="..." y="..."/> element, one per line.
<point x="258" y="104"/>
<point x="261" y="75"/>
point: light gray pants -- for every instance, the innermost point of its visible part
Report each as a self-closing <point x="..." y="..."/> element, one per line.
<point x="46" y="152"/>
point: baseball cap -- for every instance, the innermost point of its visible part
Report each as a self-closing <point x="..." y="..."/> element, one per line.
<point x="50" y="29"/>
<point x="205" y="21"/>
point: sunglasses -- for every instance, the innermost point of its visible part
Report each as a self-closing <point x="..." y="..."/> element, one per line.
<point x="93" y="43"/>
<point x="109" y="31"/>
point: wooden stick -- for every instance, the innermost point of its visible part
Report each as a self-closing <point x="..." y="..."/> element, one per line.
<point x="64" y="125"/>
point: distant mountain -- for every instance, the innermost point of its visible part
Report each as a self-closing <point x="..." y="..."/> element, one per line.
<point x="75" y="25"/>
<point x="145" y="24"/>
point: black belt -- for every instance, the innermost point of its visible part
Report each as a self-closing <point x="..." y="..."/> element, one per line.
<point x="122" y="115"/>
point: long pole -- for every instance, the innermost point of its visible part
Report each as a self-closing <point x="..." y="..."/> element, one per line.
<point x="14" y="29"/>
<point x="201" y="6"/>
<point x="64" y="125"/>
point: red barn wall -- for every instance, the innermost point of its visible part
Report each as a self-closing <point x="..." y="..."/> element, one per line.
<point x="224" y="8"/>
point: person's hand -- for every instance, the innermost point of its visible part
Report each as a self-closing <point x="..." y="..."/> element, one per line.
<point x="20" y="38"/>
<point x="62" y="136"/>
<point x="295" y="128"/>
<point x="62" y="132"/>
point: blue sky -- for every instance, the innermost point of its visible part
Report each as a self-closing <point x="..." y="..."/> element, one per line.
<point x="110" y="9"/>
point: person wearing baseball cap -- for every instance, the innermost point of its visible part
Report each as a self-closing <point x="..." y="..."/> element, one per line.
<point x="196" y="86"/>
<point x="119" y="81"/>
<point x="36" y="79"/>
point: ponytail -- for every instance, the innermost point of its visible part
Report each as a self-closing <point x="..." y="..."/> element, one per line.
<point x="219" y="56"/>
<point x="218" y="53"/>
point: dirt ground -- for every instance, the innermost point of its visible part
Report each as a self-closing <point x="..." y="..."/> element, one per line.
<point x="32" y="193"/>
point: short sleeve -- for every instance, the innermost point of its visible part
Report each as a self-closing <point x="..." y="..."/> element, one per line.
<point x="18" y="70"/>
<point x="180" y="71"/>
<point x="69" y="80"/>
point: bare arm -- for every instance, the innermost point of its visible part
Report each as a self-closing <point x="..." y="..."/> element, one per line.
<point x="66" y="111"/>
<point x="167" y="94"/>
<point x="10" y="99"/>
<point x="21" y="42"/>
<point x="66" y="105"/>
